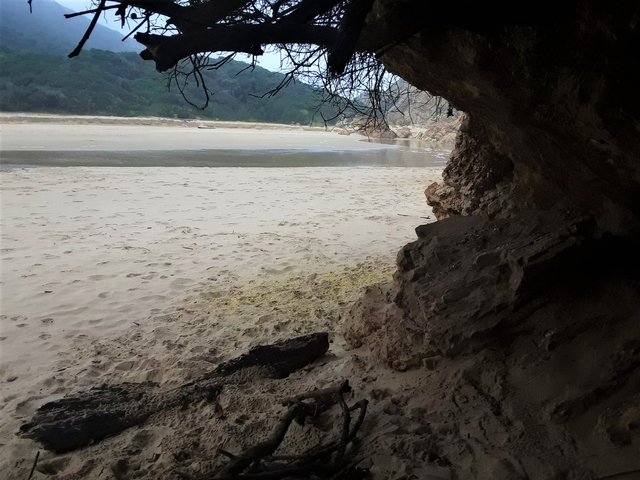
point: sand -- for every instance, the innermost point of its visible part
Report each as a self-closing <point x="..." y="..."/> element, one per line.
<point x="57" y="136"/>
<point x="135" y="274"/>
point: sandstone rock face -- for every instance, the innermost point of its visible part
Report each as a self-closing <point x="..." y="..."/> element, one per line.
<point x="556" y="100"/>
<point x="442" y="133"/>
<point x="522" y="303"/>
<point x="477" y="179"/>
<point x="403" y="132"/>
<point x="379" y="131"/>
<point x="525" y="330"/>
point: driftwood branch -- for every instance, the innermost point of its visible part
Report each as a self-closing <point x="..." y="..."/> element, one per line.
<point x="317" y="395"/>
<point x="33" y="467"/>
<point x="325" y="461"/>
<point x="88" y="416"/>
<point x="266" y="447"/>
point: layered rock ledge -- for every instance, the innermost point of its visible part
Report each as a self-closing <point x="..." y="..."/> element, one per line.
<point x="522" y="303"/>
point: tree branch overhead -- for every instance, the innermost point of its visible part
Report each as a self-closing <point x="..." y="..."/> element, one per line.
<point x="247" y="26"/>
<point x="332" y="45"/>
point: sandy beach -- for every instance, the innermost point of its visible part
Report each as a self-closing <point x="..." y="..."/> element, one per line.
<point x="158" y="273"/>
<point x="91" y="137"/>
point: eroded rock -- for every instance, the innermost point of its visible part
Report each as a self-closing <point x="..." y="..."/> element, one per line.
<point x="476" y="180"/>
<point x="523" y="300"/>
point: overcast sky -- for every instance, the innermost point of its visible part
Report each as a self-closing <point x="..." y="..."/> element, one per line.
<point x="108" y="19"/>
<point x="269" y="61"/>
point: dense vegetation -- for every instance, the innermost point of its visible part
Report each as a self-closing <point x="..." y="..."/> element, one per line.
<point x="107" y="83"/>
<point x="36" y="76"/>
<point x="45" y="30"/>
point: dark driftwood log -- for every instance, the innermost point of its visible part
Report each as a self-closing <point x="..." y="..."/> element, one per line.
<point x="281" y="358"/>
<point x="86" y="417"/>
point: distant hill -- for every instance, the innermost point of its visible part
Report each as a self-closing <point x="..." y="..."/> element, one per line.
<point x="36" y="76"/>
<point x="47" y="31"/>
<point x="107" y="83"/>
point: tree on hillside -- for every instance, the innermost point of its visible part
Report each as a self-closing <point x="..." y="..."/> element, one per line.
<point x="334" y="44"/>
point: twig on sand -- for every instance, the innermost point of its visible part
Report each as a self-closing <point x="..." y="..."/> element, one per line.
<point x="417" y="216"/>
<point x="330" y="392"/>
<point x="35" y="463"/>
<point x="323" y="461"/>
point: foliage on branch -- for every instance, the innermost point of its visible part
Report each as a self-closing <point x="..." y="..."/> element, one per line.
<point x="321" y="42"/>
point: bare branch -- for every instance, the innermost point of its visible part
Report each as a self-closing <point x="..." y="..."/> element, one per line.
<point x="85" y="12"/>
<point x="87" y="34"/>
<point x="166" y="51"/>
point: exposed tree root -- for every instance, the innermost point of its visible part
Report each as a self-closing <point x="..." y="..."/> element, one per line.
<point x="332" y="460"/>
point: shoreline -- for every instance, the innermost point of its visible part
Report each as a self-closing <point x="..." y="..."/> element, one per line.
<point x="110" y="145"/>
<point x="23" y="117"/>
<point x="90" y="137"/>
<point x="432" y="135"/>
<point x="222" y="159"/>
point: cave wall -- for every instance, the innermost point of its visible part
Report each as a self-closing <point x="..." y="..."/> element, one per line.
<point x="557" y="99"/>
<point x="549" y="145"/>
<point x="532" y="271"/>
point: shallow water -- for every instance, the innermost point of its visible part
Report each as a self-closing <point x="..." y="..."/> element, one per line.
<point x="149" y="146"/>
<point x="380" y="157"/>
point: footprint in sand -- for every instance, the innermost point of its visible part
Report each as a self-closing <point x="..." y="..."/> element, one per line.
<point x="53" y="467"/>
<point x="181" y="282"/>
<point x="122" y="468"/>
<point x="47" y="321"/>
<point x="154" y="375"/>
<point x="143" y="439"/>
<point x="126" y="365"/>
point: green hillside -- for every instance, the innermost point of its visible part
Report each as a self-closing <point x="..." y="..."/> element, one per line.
<point x="107" y="83"/>
<point x="36" y="76"/>
<point x="45" y="30"/>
